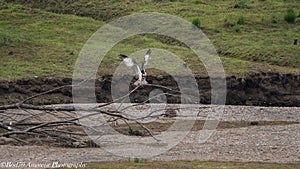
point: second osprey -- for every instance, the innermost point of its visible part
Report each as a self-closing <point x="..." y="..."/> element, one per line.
<point x="140" y="73"/>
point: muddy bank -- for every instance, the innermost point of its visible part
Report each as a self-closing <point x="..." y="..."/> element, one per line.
<point x="260" y="89"/>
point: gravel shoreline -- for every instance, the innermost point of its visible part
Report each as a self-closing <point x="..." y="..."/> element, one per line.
<point x="273" y="143"/>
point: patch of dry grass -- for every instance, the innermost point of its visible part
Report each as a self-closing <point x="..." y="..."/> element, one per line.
<point x="142" y="164"/>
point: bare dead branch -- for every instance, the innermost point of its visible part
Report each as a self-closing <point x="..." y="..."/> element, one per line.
<point x="32" y="119"/>
<point x="33" y="107"/>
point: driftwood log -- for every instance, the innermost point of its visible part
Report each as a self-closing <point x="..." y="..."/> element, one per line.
<point x="23" y="123"/>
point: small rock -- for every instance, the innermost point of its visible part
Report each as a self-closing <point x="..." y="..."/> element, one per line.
<point x="228" y="24"/>
<point x="159" y="77"/>
<point x="254" y="123"/>
<point x="185" y="65"/>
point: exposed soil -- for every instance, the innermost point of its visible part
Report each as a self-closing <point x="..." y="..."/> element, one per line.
<point x="260" y="89"/>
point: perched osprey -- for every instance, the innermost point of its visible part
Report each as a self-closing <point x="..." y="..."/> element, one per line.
<point x="140" y="73"/>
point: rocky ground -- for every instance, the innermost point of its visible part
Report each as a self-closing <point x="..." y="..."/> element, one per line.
<point x="265" y="143"/>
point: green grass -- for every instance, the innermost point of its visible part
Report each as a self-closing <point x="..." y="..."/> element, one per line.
<point x="44" y="38"/>
<point x="196" y="164"/>
<point x="40" y="43"/>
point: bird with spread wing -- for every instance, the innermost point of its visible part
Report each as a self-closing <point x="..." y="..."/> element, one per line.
<point x="140" y="73"/>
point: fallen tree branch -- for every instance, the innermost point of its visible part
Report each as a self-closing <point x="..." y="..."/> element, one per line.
<point x="33" y="107"/>
<point x="55" y="121"/>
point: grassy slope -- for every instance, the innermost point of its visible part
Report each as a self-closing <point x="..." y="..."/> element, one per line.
<point x="40" y="43"/>
<point x="36" y="42"/>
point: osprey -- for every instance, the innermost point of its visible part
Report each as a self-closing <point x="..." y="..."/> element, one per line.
<point x="140" y="73"/>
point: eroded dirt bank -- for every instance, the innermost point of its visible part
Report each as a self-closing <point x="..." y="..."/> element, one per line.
<point x="264" y="89"/>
